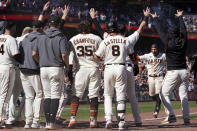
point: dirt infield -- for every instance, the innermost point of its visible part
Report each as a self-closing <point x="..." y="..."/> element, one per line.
<point x="149" y="124"/>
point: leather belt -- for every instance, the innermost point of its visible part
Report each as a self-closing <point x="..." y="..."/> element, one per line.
<point x="155" y="75"/>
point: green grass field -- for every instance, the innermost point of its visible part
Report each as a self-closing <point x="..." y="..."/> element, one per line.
<point x="83" y="111"/>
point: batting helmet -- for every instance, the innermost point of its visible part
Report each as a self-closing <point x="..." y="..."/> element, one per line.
<point x="112" y="27"/>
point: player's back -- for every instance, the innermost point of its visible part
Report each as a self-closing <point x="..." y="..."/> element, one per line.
<point x="51" y="46"/>
<point x="8" y="48"/>
<point x="116" y="49"/>
<point x="84" y="47"/>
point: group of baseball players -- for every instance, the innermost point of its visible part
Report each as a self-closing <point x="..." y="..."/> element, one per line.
<point x="39" y="62"/>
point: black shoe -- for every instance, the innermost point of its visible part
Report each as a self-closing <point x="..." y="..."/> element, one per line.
<point x="155" y="114"/>
<point x="187" y="122"/>
<point x="138" y="124"/>
<point x="171" y="119"/>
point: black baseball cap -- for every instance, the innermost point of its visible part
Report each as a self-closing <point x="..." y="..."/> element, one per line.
<point x="54" y="19"/>
<point x="112" y="27"/>
<point x="37" y="24"/>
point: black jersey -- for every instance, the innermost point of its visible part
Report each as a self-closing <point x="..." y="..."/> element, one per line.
<point x="175" y="45"/>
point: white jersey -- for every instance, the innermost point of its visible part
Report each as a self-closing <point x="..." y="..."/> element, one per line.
<point x="133" y="38"/>
<point x="114" y="49"/>
<point x="8" y="48"/>
<point x="154" y="64"/>
<point x="85" y="45"/>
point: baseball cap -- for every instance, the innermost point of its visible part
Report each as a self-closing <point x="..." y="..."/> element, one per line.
<point x="37" y="24"/>
<point x="2" y="26"/>
<point x="54" y="19"/>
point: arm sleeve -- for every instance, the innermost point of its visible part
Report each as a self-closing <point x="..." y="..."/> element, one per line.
<point x="133" y="38"/>
<point x="161" y="32"/>
<point x="101" y="50"/>
<point x="183" y="29"/>
<point x="64" y="46"/>
<point x="130" y="48"/>
<point x="98" y="43"/>
<point x="35" y="47"/>
<point x="14" y="50"/>
<point x="62" y="24"/>
<point x="98" y="27"/>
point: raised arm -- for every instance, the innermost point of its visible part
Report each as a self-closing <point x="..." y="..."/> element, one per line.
<point x="183" y="30"/>
<point x="95" y="22"/>
<point x="133" y="38"/>
<point x="65" y="14"/>
<point x="159" y="29"/>
<point x="45" y="8"/>
<point x="143" y="23"/>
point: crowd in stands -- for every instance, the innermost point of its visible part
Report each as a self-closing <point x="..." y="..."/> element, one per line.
<point x="191" y="22"/>
<point x="131" y="15"/>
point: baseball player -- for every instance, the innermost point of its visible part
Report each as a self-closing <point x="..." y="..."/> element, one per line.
<point x="175" y="43"/>
<point x="155" y="63"/>
<point x="133" y="38"/>
<point x="88" y="74"/>
<point x="12" y="118"/>
<point x="30" y="77"/>
<point x="52" y="54"/>
<point x="114" y="49"/>
<point x="9" y="53"/>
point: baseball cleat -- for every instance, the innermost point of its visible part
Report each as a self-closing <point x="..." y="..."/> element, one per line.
<point x="155" y="114"/>
<point x="108" y="125"/>
<point x="186" y="122"/>
<point x="9" y="122"/>
<point x="52" y="126"/>
<point x="47" y="126"/>
<point x="27" y="126"/>
<point x="72" y="122"/>
<point x="93" y="123"/>
<point x="36" y="126"/>
<point x="170" y="119"/>
<point x="122" y="126"/>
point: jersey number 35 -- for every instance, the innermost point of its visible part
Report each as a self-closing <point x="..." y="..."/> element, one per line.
<point x="85" y="50"/>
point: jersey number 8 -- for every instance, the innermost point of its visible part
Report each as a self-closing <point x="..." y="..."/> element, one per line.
<point x="85" y="50"/>
<point x="115" y="50"/>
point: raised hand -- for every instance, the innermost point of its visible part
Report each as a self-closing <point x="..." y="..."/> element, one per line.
<point x="155" y="15"/>
<point x="46" y="6"/>
<point x="66" y="10"/>
<point x="92" y="13"/>
<point x="146" y="12"/>
<point x="179" y="13"/>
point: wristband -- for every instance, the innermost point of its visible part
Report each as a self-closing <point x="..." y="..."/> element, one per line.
<point x="145" y="18"/>
<point x="43" y="12"/>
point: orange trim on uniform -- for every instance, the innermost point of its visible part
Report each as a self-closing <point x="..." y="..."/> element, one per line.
<point x="137" y="58"/>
